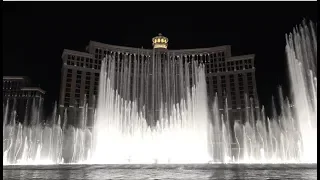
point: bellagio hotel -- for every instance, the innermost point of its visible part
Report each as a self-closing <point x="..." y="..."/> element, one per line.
<point x="230" y="77"/>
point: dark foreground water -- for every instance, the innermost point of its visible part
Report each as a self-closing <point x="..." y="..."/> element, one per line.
<point x="162" y="172"/>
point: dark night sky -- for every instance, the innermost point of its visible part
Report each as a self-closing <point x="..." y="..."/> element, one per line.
<point x="35" y="34"/>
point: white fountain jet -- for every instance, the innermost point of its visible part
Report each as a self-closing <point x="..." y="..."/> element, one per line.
<point x="152" y="110"/>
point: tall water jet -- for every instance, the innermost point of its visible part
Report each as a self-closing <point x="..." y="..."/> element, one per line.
<point x="301" y="50"/>
<point x="32" y="142"/>
<point x="151" y="111"/>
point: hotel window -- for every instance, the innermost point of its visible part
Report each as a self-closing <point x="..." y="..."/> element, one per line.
<point x="240" y="77"/>
<point x="210" y="57"/>
<point x="68" y="88"/>
<point x="231" y="78"/>
<point x="78" y="85"/>
<point x="234" y="105"/>
<point x="243" y="104"/>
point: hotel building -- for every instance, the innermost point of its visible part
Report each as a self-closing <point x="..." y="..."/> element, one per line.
<point x="20" y="96"/>
<point x="230" y="77"/>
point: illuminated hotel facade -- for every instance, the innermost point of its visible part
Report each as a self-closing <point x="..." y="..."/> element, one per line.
<point x="20" y="95"/>
<point x="230" y="77"/>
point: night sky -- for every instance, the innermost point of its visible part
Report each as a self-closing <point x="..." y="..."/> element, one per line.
<point x="35" y="34"/>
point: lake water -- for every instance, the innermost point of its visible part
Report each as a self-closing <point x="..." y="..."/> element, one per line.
<point x="162" y="172"/>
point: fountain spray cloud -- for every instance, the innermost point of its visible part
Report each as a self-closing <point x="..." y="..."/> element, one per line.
<point x="158" y="116"/>
<point x="301" y="52"/>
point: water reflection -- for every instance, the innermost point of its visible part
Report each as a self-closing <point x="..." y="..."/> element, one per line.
<point x="161" y="172"/>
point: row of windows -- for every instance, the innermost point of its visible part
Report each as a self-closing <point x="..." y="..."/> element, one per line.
<point x="104" y="52"/>
<point x="211" y="68"/>
<point x="240" y="62"/>
<point x="235" y="105"/>
<point x="22" y="94"/>
<point x="214" y="79"/>
<point x="209" y="59"/>
<point x="80" y="59"/>
<point x="220" y="60"/>
<point x="11" y="84"/>
<point x="84" y="65"/>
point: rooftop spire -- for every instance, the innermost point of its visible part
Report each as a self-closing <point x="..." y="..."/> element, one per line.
<point x="160" y="42"/>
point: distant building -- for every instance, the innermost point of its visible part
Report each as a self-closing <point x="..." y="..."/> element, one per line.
<point x="21" y="97"/>
<point x="231" y="77"/>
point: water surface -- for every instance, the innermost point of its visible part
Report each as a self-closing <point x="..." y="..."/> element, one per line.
<point x="162" y="172"/>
